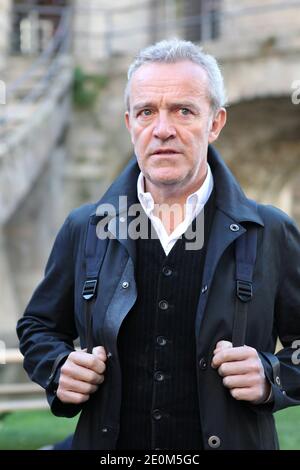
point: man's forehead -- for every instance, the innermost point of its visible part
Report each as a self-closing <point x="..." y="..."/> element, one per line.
<point x="183" y="78"/>
<point x="168" y="72"/>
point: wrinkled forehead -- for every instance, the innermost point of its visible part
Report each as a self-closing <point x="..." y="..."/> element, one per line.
<point x="179" y="79"/>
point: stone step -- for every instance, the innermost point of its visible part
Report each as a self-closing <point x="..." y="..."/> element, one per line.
<point x="26" y="404"/>
<point x="20" y="389"/>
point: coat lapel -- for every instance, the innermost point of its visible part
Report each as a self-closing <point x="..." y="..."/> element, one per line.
<point x="116" y="202"/>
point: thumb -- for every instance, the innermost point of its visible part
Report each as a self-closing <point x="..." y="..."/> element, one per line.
<point x="99" y="351"/>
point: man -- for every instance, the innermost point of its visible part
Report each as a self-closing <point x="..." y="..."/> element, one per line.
<point x="163" y="372"/>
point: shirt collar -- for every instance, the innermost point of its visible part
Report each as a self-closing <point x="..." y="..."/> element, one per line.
<point x="194" y="202"/>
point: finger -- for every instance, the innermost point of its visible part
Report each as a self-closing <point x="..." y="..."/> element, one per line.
<point x="71" y="397"/>
<point x="231" y="355"/>
<point x="239" y="381"/>
<point x="77" y="386"/>
<point x="222" y="345"/>
<point x="236" y="368"/>
<point x="242" y="393"/>
<point x="82" y="373"/>
<point x="90" y="361"/>
<point x="100" y="352"/>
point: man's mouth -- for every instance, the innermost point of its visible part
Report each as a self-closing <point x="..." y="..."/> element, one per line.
<point x="164" y="152"/>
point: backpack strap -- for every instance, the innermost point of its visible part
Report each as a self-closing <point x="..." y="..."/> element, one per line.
<point x="95" y="250"/>
<point x="245" y="255"/>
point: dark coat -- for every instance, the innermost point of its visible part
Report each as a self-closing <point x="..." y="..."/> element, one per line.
<point x="54" y="316"/>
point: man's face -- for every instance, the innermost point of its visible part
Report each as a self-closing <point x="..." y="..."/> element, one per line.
<point x="171" y="123"/>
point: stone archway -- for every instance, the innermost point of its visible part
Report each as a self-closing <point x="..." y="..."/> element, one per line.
<point x="261" y="144"/>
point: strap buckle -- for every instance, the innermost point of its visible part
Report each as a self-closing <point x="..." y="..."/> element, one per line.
<point x="89" y="288"/>
<point x="244" y="290"/>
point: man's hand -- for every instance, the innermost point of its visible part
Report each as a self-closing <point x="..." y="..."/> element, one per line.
<point x="242" y="371"/>
<point x="81" y="375"/>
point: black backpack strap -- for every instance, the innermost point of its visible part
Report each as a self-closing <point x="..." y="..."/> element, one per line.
<point x="95" y="250"/>
<point x="245" y="255"/>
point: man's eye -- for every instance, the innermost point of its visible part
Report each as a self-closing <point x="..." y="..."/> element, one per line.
<point x="146" y="112"/>
<point x="184" y="111"/>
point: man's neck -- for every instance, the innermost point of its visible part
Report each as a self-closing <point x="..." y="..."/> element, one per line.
<point x="170" y="202"/>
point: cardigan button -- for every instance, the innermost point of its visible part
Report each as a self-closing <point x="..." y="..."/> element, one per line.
<point x="167" y="271"/>
<point x="159" y="376"/>
<point x="156" y="414"/>
<point x="161" y="341"/>
<point x="163" y="305"/>
<point x="234" y="228"/>
<point x="203" y="363"/>
<point x="214" y="442"/>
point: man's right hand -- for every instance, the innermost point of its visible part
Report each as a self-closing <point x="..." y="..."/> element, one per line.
<point x="81" y="375"/>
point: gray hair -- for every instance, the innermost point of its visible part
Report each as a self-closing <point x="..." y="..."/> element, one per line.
<point x="177" y="50"/>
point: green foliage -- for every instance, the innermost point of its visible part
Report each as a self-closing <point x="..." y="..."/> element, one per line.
<point x="268" y="44"/>
<point x="34" y="429"/>
<point x="287" y="423"/>
<point x="29" y="430"/>
<point x="86" y="88"/>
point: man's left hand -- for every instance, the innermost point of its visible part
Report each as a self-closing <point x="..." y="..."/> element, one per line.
<point x="242" y="371"/>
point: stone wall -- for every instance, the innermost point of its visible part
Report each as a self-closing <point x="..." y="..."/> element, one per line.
<point x="5" y="6"/>
<point x="102" y="29"/>
<point x="98" y="143"/>
<point x="261" y="144"/>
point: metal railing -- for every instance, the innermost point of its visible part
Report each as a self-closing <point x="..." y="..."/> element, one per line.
<point x="42" y="70"/>
<point x="34" y="83"/>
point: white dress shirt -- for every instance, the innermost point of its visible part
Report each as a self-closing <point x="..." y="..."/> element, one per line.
<point x="193" y="206"/>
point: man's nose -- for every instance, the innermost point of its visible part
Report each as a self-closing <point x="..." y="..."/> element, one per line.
<point x="163" y="127"/>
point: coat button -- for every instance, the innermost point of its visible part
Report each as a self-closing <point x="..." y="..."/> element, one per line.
<point x="161" y="341"/>
<point x="203" y="363"/>
<point x="214" y="442"/>
<point x="125" y="284"/>
<point x="156" y="414"/>
<point x="204" y="289"/>
<point x="234" y="228"/>
<point x="163" y="305"/>
<point x="167" y="271"/>
<point x="159" y="376"/>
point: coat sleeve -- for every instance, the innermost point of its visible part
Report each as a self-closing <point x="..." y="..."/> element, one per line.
<point x="47" y="329"/>
<point x="283" y="369"/>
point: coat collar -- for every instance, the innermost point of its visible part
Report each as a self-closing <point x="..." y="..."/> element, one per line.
<point x="230" y="198"/>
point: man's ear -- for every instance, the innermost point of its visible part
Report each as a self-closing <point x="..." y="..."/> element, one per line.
<point x="127" y="121"/>
<point x="217" y="125"/>
<point x="128" y="125"/>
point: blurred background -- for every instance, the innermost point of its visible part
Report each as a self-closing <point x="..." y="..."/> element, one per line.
<point x="63" y="140"/>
